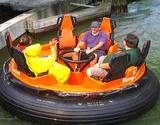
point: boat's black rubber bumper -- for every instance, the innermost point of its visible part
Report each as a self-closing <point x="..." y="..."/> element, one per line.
<point x="109" y="109"/>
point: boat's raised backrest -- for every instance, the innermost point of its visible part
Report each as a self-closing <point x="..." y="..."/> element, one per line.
<point x="66" y="28"/>
<point x="145" y="49"/>
<point x="114" y="48"/>
<point x="9" y="43"/>
<point x="144" y="52"/>
<point x="20" y="60"/>
<point x="118" y="66"/>
<point x="107" y="26"/>
<point x="17" y="55"/>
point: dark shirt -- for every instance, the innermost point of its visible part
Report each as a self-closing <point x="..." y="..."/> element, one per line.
<point x="133" y="53"/>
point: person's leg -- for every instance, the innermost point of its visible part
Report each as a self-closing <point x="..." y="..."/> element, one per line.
<point x="60" y="71"/>
<point x="101" y="59"/>
<point x="72" y="55"/>
<point x="68" y="54"/>
<point x="94" y="61"/>
<point x="95" y="71"/>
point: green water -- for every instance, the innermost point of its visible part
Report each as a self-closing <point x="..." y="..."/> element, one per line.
<point x="144" y="20"/>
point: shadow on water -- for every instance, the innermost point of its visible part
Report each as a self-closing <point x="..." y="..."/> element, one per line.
<point x="143" y="20"/>
<point x="6" y="13"/>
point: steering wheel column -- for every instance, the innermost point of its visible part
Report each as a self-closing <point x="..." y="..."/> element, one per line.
<point x="76" y="76"/>
<point x="80" y="64"/>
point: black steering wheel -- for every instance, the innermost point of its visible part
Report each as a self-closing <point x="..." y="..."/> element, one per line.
<point x="85" y="61"/>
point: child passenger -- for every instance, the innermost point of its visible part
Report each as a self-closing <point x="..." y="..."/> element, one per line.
<point x="24" y="41"/>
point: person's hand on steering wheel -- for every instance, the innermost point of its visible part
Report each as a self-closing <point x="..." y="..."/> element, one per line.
<point x="78" y="61"/>
<point x="77" y="49"/>
<point x="88" y="50"/>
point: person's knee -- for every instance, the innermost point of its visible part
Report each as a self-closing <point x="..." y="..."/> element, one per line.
<point x="89" y="71"/>
<point x="101" y="59"/>
<point x="96" y="72"/>
<point x="57" y="69"/>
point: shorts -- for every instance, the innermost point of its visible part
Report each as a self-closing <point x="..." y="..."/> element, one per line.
<point x="100" y="53"/>
<point x="96" y="71"/>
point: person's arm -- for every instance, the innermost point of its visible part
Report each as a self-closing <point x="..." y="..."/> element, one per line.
<point x="99" y="45"/>
<point x="53" y="47"/>
<point x="102" y="42"/>
<point x="79" y="46"/>
<point x="104" y="65"/>
<point x="82" y="41"/>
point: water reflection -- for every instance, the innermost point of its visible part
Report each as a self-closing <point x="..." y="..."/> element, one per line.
<point x="143" y="20"/>
<point x="62" y="7"/>
<point x="145" y="23"/>
<point x="51" y="10"/>
<point x="132" y="8"/>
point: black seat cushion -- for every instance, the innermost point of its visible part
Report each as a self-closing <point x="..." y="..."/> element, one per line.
<point x="9" y="44"/>
<point x="145" y="48"/>
<point x="118" y="66"/>
<point x="20" y="60"/>
<point x="144" y="52"/>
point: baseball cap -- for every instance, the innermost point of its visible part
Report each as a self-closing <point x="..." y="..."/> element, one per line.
<point x="95" y="24"/>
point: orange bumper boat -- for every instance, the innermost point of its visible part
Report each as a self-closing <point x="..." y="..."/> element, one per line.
<point x="126" y="92"/>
